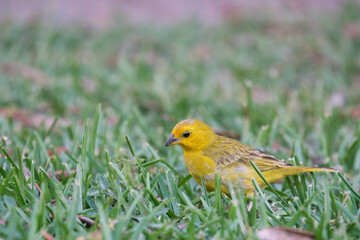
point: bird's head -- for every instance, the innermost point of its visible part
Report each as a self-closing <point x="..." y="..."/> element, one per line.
<point x="191" y="135"/>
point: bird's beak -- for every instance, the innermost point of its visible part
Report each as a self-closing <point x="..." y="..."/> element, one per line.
<point x="171" y="140"/>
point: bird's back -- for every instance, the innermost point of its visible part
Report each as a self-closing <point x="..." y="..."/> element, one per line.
<point x="233" y="158"/>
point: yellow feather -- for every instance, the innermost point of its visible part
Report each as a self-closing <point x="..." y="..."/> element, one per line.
<point x="207" y="154"/>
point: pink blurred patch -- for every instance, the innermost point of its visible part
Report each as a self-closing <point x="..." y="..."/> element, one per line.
<point x="102" y="13"/>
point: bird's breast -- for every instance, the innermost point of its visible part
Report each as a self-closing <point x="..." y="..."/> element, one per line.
<point x="199" y="165"/>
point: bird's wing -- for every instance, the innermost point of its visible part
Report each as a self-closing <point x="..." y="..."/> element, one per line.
<point x="228" y="151"/>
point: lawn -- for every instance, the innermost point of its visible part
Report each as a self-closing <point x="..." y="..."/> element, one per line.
<point x="84" y="115"/>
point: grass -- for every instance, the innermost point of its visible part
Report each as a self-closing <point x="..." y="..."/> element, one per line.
<point x="71" y="167"/>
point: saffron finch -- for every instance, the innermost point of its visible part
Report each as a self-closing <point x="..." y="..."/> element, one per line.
<point x="207" y="154"/>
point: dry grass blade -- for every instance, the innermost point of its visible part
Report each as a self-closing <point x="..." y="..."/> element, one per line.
<point x="47" y="236"/>
<point x="2" y="222"/>
<point x="61" y="174"/>
<point x="87" y="221"/>
<point x="284" y="233"/>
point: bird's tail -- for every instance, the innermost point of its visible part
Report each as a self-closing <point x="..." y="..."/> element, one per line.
<point x="299" y="169"/>
<point x="276" y="174"/>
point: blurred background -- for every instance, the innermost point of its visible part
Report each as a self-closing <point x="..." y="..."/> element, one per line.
<point x="102" y="13"/>
<point x="280" y="75"/>
<point x="268" y="72"/>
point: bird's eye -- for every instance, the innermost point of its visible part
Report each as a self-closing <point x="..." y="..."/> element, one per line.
<point x="186" y="134"/>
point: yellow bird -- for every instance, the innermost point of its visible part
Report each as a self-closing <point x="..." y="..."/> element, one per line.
<point x="207" y="154"/>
